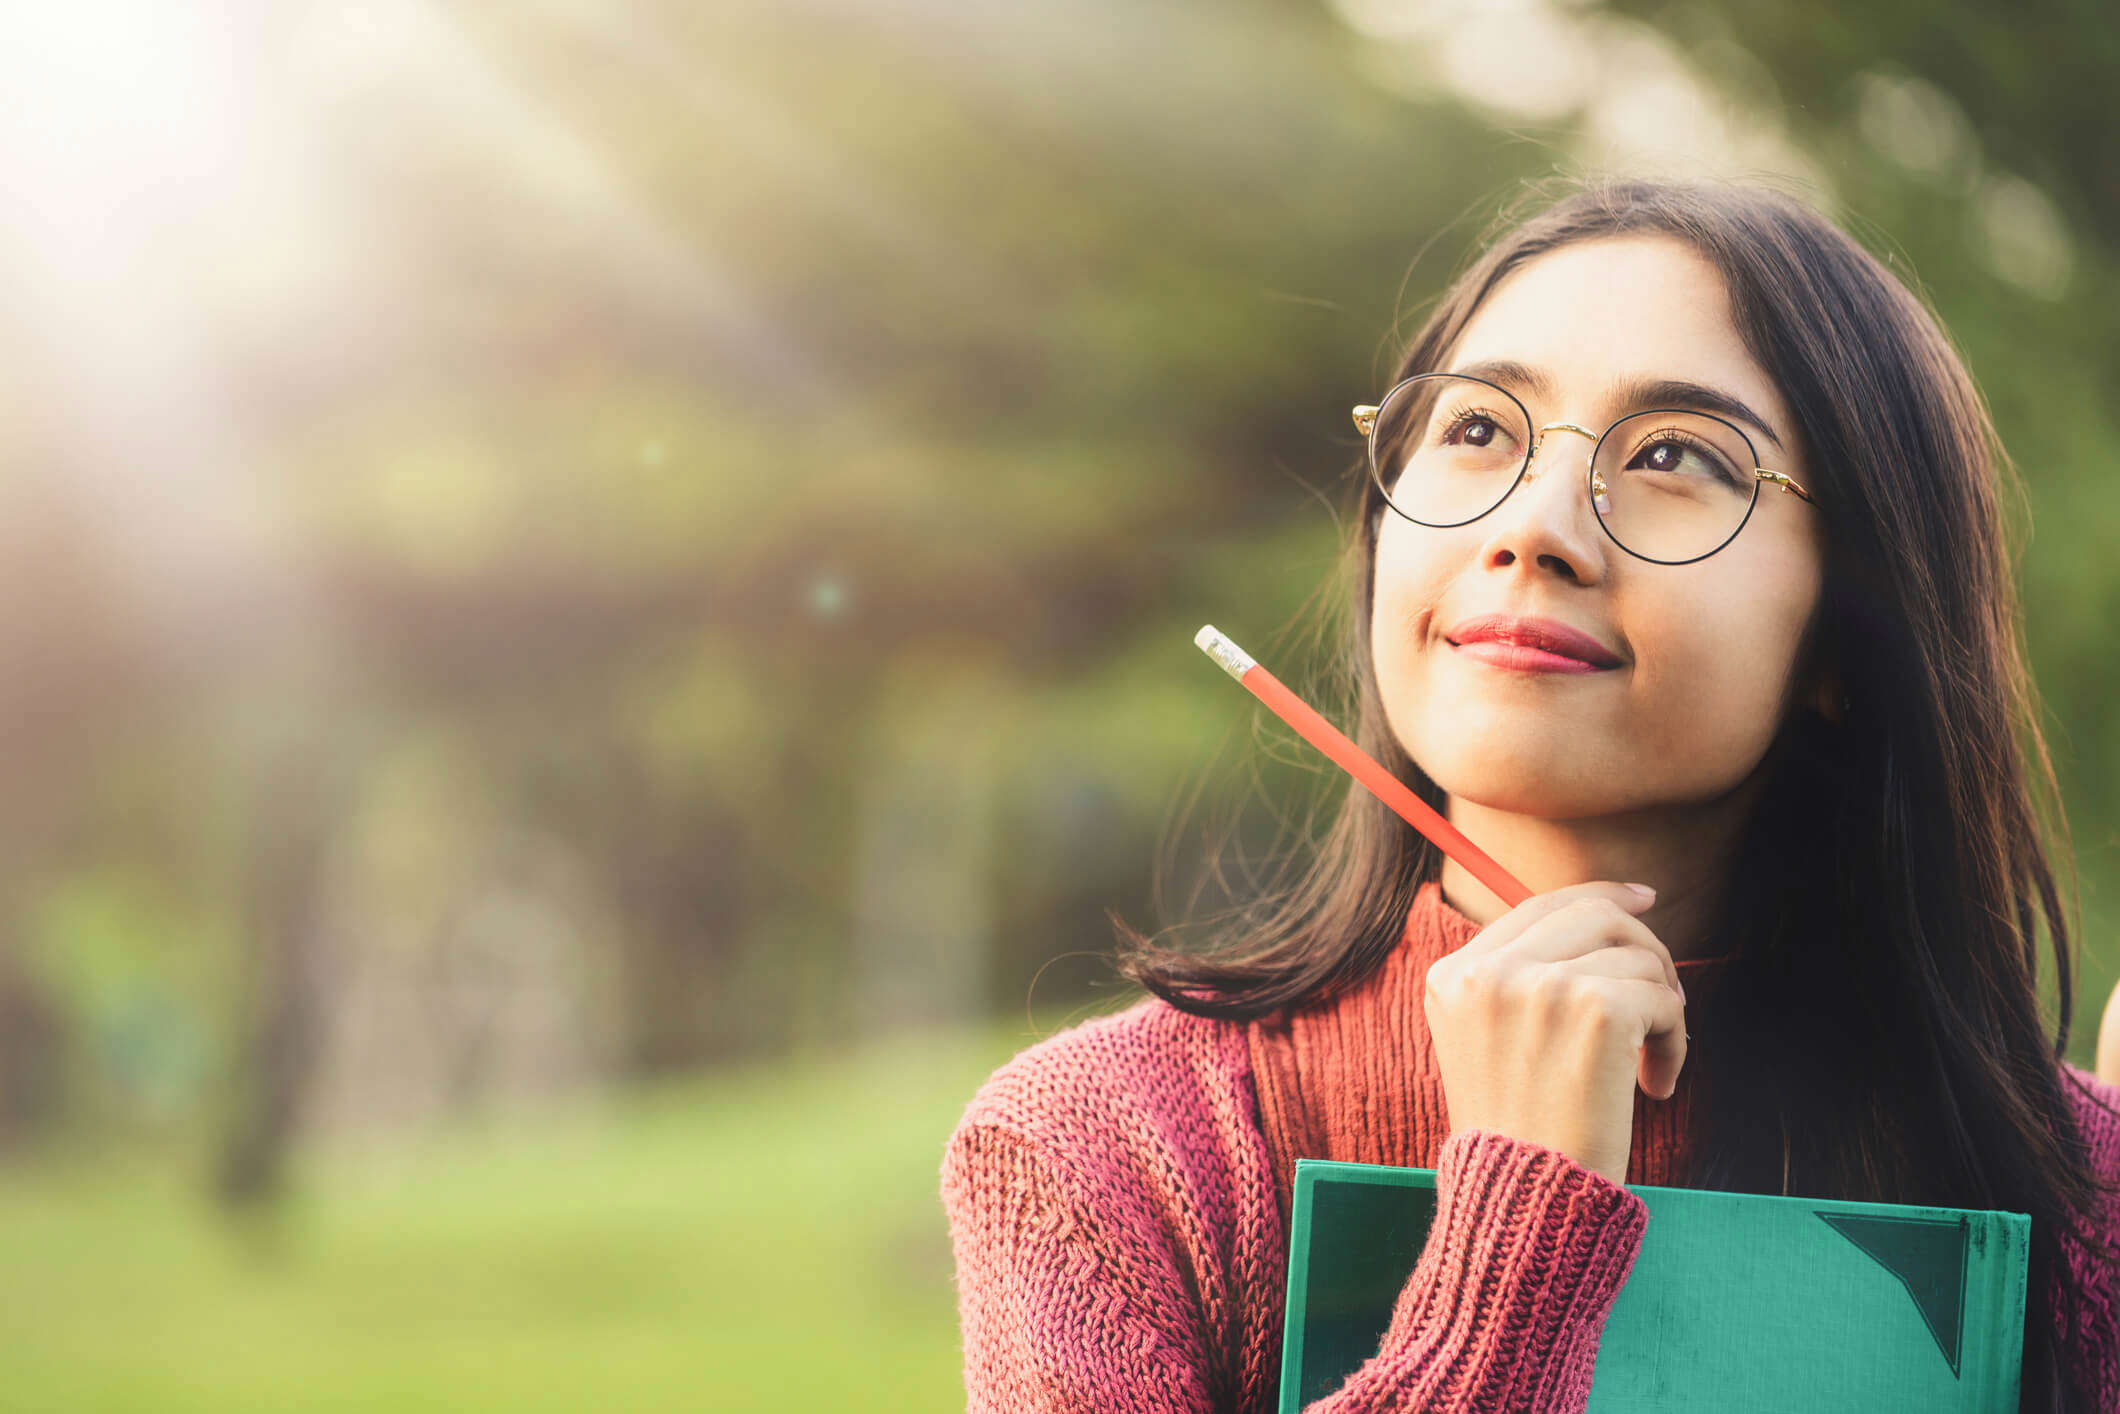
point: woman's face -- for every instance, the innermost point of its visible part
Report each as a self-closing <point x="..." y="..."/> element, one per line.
<point x="1707" y="651"/>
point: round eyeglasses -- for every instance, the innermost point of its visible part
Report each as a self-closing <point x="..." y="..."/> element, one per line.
<point x="1669" y="485"/>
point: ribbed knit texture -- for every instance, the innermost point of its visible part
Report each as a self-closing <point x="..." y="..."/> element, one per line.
<point x="1357" y="1080"/>
<point x="1117" y="1197"/>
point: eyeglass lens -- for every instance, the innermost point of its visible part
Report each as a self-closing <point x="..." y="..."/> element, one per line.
<point x="1668" y="486"/>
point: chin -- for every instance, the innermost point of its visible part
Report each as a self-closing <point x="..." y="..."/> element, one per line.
<point x="1522" y="779"/>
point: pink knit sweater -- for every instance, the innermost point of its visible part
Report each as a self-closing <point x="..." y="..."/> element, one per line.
<point x="1117" y="1192"/>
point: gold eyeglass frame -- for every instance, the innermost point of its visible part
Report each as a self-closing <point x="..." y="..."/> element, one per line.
<point x="1365" y="421"/>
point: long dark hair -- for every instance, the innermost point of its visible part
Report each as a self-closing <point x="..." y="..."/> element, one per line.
<point x="1881" y="1011"/>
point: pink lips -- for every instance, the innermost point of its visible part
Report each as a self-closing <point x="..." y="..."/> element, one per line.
<point x="1531" y="645"/>
<point x="1527" y="660"/>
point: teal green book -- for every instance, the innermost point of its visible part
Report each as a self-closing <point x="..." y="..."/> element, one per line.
<point x="1737" y="1302"/>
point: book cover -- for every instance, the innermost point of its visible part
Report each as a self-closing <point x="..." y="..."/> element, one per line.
<point x="1737" y="1302"/>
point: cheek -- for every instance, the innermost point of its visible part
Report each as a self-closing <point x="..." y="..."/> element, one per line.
<point x="1410" y="582"/>
<point x="1744" y="622"/>
<point x="1714" y="678"/>
<point x="1413" y="580"/>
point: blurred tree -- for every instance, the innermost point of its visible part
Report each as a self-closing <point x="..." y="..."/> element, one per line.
<point x="780" y="448"/>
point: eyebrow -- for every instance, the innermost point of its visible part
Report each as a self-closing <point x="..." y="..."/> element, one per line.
<point x="1632" y="392"/>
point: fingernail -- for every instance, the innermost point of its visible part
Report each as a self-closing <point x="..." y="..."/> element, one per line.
<point x="1643" y="889"/>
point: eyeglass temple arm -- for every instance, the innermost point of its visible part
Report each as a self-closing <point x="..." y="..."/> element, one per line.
<point x="1782" y="481"/>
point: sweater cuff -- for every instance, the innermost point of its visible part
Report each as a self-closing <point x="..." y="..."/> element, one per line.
<point x="1528" y="1251"/>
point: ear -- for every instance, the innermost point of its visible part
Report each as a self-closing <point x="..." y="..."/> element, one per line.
<point x="1817" y="669"/>
<point x="1825" y="696"/>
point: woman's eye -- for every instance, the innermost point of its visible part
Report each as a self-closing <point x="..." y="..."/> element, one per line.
<point x="1472" y="429"/>
<point x="1669" y="455"/>
<point x="1663" y="456"/>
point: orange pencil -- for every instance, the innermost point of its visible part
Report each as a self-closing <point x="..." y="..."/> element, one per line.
<point x="1359" y="764"/>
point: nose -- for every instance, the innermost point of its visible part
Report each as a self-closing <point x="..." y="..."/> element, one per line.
<point x="1547" y="519"/>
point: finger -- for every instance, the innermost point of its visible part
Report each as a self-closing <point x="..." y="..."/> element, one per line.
<point x="1655" y="1008"/>
<point x="1619" y="963"/>
<point x="1664" y="1046"/>
<point x="1591" y="925"/>
<point x="1513" y="923"/>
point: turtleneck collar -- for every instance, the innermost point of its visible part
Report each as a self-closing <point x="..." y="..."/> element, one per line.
<point x="1354" y="1079"/>
<point x="1434" y="916"/>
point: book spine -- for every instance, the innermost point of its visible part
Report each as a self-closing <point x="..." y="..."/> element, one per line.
<point x="2013" y="1234"/>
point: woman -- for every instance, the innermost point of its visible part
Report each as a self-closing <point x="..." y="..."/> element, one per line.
<point x="1693" y="577"/>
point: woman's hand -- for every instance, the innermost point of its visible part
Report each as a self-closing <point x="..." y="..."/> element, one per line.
<point x="1544" y="1021"/>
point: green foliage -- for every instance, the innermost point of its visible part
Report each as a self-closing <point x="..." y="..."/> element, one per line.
<point x="770" y="443"/>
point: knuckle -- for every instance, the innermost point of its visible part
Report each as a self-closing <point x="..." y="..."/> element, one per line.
<point x="1483" y="981"/>
<point x="1603" y="1013"/>
<point x="1446" y="983"/>
<point x="1550" y="989"/>
<point x="1435" y="992"/>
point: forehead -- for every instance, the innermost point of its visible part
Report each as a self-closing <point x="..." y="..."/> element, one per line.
<point x="1595" y="312"/>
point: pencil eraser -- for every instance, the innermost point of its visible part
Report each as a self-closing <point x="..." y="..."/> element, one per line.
<point x="1216" y="645"/>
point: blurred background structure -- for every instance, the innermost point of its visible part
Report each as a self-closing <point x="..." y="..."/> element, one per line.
<point x="599" y="601"/>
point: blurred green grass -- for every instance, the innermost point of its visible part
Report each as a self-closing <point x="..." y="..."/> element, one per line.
<point x="762" y="1239"/>
<point x="765" y="1239"/>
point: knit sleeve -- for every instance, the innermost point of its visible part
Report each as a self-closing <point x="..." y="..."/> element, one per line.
<point x="2091" y="1337"/>
<point x="1066" y="1310"/>
<point x="1504" y="1309"/>
<point x="1063" y="1310"/>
